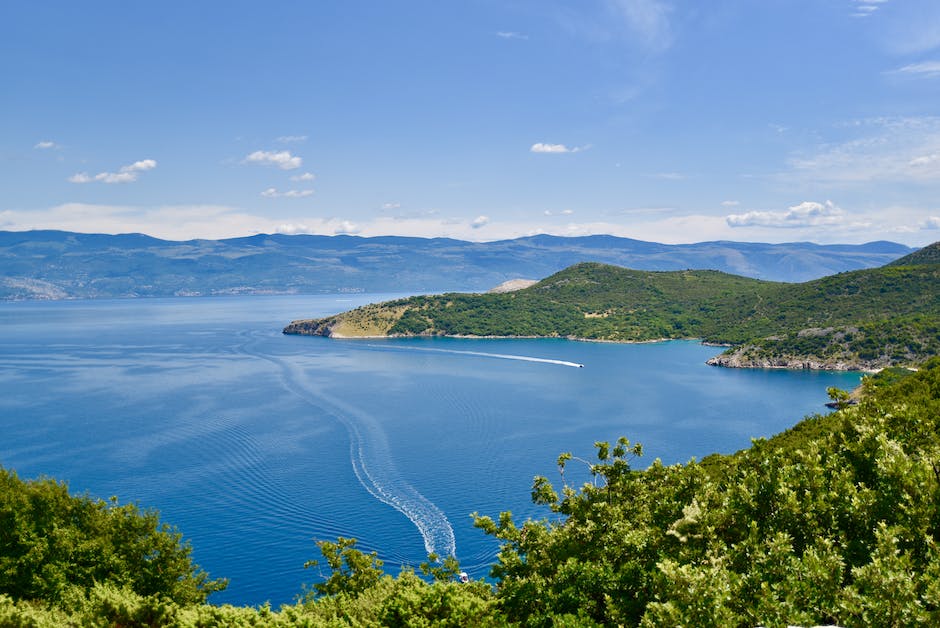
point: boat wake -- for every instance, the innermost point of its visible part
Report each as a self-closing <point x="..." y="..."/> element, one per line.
<point x="372" y="460"/>
<point x="483" y="354"/>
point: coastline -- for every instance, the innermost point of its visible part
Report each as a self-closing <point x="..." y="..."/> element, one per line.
<point x="723" y="360"/>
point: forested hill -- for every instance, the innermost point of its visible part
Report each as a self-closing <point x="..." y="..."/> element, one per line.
<point x="64" y="265"/>
<point x="862" y="319"/>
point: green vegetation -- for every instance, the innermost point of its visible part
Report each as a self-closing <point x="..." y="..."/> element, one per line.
<point x="862" y="319"/>
<point x="54" y="546"/>
<point x="834" y="521"/>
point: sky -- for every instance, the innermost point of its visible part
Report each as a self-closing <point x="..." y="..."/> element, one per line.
<point x="663" y="120"/>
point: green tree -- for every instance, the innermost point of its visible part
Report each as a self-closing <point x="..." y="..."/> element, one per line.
<point x="53" y="543"/>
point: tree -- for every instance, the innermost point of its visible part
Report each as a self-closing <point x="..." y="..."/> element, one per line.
<point x="53" y="544"/>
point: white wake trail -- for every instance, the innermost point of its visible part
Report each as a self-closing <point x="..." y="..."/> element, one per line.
<point x="372" y="462"/>
<point x="483" y="354"/>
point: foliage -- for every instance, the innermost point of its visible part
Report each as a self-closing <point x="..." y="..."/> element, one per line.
<point x="835" y="523"/>
<point x="356" y="593"/>
<point x="352" y="571"/>
<point x="53" y="545"/>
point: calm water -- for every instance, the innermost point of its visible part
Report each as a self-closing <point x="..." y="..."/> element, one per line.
<point x="254" y="443"/>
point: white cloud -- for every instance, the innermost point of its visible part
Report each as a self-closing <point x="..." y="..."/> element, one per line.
<point x="730" y="203"/>
<point x="480" y="221"/>
<point x="932" y="222"/>
<point x="511" y="35"/>
<point x="291" y="228"/>
<point x="282" y="159"/>
<point x="391" y="205"/>
<point x="549" y="148"/>
<point x="886" y="149"/>
<point x="806" y="214"/>
<point x="307" y="176"/>
<point x="347" y="228"/>
<point x="140" y="166"/>
<point x="45" y="145"/>
<point x="116" y="177"/>
<point x="924" y="160"/>
<point x="864" y="8"/>
<point x="540" y="147"/>
<point x="274" y="193"/>
<point x="564" y="212"/>
<point x="926" y="69"/>
<point x="292" y="139"/>
<point x="126" y="174"/>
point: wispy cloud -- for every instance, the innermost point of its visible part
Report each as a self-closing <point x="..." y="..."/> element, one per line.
<point x="387" y="206"/>
<point x="307" y="176"/>
<point x="647" y="21"/>
<point x="865" y="8"/>
<point x="281" y="159"/>
<point x="925" y="69"/>
<point x="645" y="211"/>
<point x="806" y="214"/>
<point x="126" y="174"/>
<point x="541" y="147"/>
<point x="924" y="160"/>
<point x="46" y="145"/>
<point x="885" y="149"/>
<point x="730" y="203"/>
<point x="510" y="35"/>
<point x="642" y="24"/>
<point x="564" y="212"/>
<point x="292" y="139"/>
<point x="274" y="193"/>
<point x="668" y="176"/>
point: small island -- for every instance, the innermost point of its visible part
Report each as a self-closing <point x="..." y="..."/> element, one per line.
<point x="859" y="320"/>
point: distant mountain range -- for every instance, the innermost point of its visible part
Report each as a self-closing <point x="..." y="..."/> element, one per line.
<point x="64" y="265"/>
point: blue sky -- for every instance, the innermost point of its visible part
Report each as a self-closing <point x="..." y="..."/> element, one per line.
<point x="663" y="120"/>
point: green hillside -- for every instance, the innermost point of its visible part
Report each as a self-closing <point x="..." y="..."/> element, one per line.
<point x="861" y="319"/>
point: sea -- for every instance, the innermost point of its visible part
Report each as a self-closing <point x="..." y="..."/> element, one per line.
<point x="255" y="444"/>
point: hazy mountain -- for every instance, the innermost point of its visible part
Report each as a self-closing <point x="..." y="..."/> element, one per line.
<point x="56" y="264"/>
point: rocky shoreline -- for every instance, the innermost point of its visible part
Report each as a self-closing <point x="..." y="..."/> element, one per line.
<point x="310" y="327"/>
<point x="743" y="358"/>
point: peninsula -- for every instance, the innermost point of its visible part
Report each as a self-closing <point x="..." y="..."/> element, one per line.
<point x="859" y="320"/>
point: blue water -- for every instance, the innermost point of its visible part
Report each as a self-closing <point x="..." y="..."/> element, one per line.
<point x="254" y="444"/>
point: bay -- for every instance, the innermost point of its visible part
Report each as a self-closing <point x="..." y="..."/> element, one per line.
<point x="254" y="444"/>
